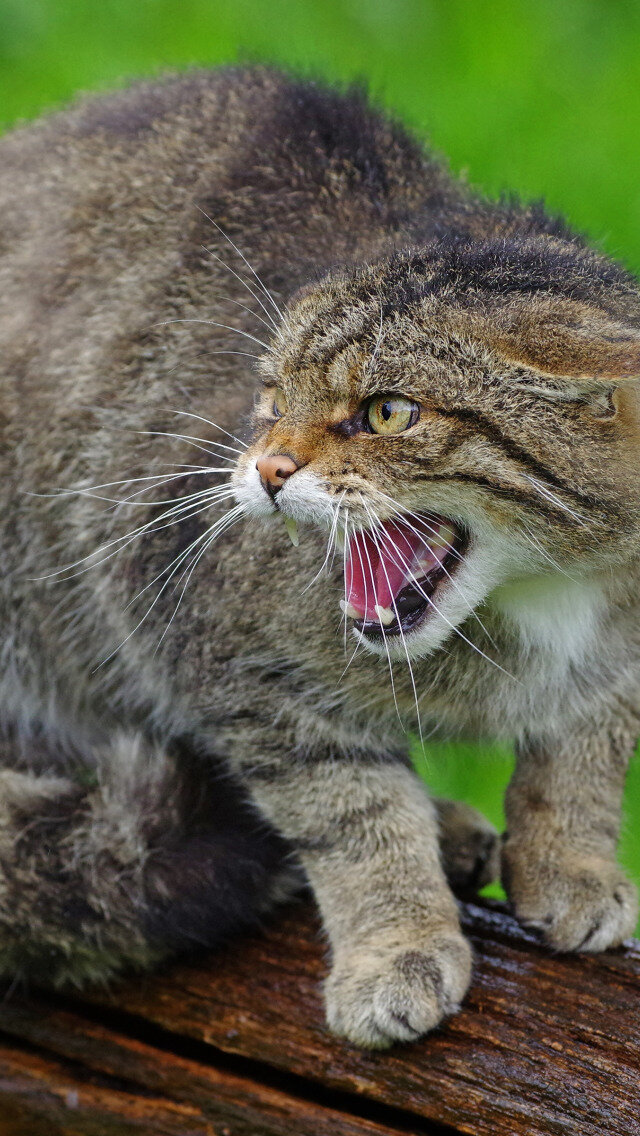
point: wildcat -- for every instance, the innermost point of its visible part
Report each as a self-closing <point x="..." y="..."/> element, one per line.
<point x="236" y="299"/>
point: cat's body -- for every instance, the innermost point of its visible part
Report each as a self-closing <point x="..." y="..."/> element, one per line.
<point x="125" y="830"/>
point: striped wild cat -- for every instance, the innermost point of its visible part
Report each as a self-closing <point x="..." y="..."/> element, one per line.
<point x="305" y="445"/>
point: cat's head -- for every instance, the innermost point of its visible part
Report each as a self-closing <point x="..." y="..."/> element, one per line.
<point x="464" y="415"/>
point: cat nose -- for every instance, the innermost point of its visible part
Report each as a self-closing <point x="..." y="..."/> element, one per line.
<point x="274" y="469"/>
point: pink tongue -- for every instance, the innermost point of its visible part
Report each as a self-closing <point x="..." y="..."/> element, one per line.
<point x="377" y="569"/>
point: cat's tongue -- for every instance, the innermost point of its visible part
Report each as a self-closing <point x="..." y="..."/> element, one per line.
<point x="379" y="567"/>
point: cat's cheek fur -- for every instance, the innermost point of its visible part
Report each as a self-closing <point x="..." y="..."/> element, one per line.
<point x="303" y="497"/>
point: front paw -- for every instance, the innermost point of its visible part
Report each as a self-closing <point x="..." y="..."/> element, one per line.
<point x="376" y="996"/>
<point x="578" y="902"/>
<point x="469" y="847"/>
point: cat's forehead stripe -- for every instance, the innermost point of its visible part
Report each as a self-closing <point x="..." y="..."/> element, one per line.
<point x="339" y="353"/>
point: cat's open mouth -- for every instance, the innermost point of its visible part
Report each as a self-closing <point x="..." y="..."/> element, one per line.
<point x="392" y="573"/>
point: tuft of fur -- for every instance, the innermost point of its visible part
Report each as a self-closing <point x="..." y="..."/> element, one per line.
<point x="184" y="742"/>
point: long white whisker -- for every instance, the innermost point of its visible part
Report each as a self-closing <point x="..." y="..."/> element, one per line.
<point x="405" y="566"/>
<point x="173" y="566"/>
<point x="451" y="548"/>
<point x="214" y="323"/>
<point x="252" y="270"/>
<point x="213" y="536"/>
<point x="152" y="526"/>
<point x="270" y="326"/>
<point x="344" y="573"/>
<point x="384" y="637"/>
<point x="208" y="422"/>
<point x="151" y="504"/>
<point x="330" y="540"/>
<point x="546" y="493"/>
<point x="157" y="477"/>
<point x="215" y="256"/>
<point x="397" y="615"/>
<point x="237" y="511"/>
<point x="360" y="634"/>
<point x="194" y="440"/>
<point x="209" y="533"/>
<point x="190" y="471"/>
<point x="537" y="545"/>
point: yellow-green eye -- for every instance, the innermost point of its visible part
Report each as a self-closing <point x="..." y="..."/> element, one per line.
<point x="279" y="402"/>
<point x="391" y="414"/>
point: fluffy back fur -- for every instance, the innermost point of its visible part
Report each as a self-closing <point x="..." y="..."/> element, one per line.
<point x="167" y="252"/>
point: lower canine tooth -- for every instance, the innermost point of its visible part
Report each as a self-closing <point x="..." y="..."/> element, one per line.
<point x="349" y="610"/>
<point x="292" y="529"/>
<point x="384" y="614"/>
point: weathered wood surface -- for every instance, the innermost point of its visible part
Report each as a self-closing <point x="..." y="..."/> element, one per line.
<point x="234" y="1045"/>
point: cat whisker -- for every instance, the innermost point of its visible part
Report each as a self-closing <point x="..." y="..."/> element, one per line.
<point x="195" y="442"/>
<point x="404" y="564"/>
<point x="212" y="535"/>
<point x="215" y="323"/>
<point x="209" y="422"/>
<point x="373" y="528"/>
<point x="542" y="489"/>
<point x="190" y="471"/>
<point x="450" y="547"/>
<point x="215" y="256"/>
<point x="74" y="492"/>
<point x="360" y="634"/>
<point x="532" y="539"/>
<point x="194" y="503"/>
<point x="344" y="573"/>
<point x="330" y="543"/>
<point x="117" y="501"/>
<point x="252" y="270"/>
<point x="384" y="636"/>
<point x="232" y="516"/>
<point x="270" y="326"/>
<point x="423" y="521"/>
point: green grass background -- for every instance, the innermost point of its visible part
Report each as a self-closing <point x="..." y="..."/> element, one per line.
<point x="540" y="97"/>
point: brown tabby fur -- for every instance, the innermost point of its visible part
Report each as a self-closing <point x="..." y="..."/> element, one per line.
<point x="166" y="779"/>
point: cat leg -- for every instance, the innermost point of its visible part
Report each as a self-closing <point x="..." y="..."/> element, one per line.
<point x="158" y="855"/>
<point x="469" y="846"/>
<point x="367" y="836"/>
<point x="559" y="858"/>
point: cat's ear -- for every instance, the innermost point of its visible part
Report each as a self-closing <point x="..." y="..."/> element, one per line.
<point x="581" y="351"/>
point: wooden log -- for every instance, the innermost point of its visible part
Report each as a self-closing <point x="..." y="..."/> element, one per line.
<point x="544" y="1045"/>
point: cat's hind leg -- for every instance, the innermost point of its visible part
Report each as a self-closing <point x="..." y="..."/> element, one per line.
<point x="158" y="855"/>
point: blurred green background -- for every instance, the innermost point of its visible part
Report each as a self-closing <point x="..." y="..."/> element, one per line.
<point x="542" y="98"/>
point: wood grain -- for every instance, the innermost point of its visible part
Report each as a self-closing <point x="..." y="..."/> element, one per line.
<point x="544" y="1045"/>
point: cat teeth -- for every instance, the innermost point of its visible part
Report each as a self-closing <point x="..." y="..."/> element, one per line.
<point x="444" y="538"/>
<point x="292" y="528"/>
<point x="384" y="614"/>
<point x="349" y="610"/>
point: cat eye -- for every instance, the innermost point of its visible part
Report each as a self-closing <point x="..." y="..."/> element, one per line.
<point x="279" y="402"/>
<point x="391" y="414"/>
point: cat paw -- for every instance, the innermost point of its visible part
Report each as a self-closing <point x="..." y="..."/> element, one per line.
<point x="578" y="903"/>
<point x="375" y="998"/>
<point x="469" y="847"/>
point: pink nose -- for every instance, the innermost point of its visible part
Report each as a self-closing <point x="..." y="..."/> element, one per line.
<point x="274" y="469"/>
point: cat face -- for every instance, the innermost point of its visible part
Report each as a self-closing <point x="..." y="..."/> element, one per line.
<point x="451" y="443"/>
